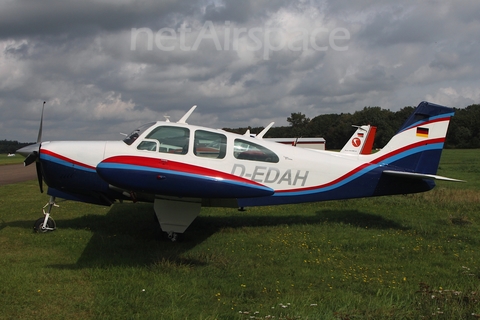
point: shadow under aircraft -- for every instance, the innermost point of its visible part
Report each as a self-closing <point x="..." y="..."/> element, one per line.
<point x="119" y="240"/>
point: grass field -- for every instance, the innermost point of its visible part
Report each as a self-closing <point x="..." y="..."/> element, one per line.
<point x="5" y="159"/>
<point x="397" y="257"/>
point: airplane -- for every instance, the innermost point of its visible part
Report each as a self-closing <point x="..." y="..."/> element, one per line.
<point x="181" y="168"/>
<point x="361" y="142"/>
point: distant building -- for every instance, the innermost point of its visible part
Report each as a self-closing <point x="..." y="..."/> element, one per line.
<point x="310" y="143"/>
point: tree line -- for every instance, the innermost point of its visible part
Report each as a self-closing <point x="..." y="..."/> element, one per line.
<point x="9" y="146"/>
<point x="336" y="129"/>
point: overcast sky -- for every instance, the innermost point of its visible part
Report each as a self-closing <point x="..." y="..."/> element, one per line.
<point x="105" y="67"/>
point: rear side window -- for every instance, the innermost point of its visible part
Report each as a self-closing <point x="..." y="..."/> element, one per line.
<point x="247" y="150"/>
<point x="209" y="144"/>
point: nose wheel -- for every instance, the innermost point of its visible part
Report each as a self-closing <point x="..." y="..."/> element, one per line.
<point x="40" y="227"/>
<point x="46" y="223"/>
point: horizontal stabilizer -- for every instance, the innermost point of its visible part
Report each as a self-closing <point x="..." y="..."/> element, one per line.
<point x="414" y="175"/>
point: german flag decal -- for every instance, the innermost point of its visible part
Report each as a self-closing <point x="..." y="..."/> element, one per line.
<point x="422" y="132"/>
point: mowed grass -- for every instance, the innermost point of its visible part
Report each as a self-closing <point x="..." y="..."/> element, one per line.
<point x="5" y="159"/>
<point x="397" y="257"/>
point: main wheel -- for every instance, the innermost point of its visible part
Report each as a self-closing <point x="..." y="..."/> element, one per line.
<point x="37" y="226"/>
<point x="172" y="236"/>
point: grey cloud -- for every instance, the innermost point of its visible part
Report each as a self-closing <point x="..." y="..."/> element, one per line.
<point x="232" y="10"/>
<point x="77" y="56"/>
<point x="445" y="61"/>
<point x="392" y="28"/>
<point x="27" y="18"/>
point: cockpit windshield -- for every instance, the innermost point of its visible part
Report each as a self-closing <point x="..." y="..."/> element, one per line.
<point x="137" y="132"/>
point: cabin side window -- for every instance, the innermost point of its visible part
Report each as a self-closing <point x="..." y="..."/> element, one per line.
<point x="209" y="144"/>
<point x="167" y="139"/>
<point x="148" y="144"/>
<point x="246" y="150"/>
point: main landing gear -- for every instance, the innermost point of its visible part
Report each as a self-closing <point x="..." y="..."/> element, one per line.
<point x="173" y="236"/>
<point x="46" y="223"/>
<point x="175" y="216"/>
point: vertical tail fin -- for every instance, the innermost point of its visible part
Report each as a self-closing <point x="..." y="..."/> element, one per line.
<point x="418" y="144"/>
<point x="361" y="142"/>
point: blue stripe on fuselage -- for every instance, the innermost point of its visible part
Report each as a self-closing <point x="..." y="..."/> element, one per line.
<point x="173" y="172"/>
<point x="47" y="157"/>
<point x="178" y="183"/>
<point x="388" y="161"/>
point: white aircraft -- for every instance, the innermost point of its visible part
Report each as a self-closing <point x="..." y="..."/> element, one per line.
<point x="181" y="167"/>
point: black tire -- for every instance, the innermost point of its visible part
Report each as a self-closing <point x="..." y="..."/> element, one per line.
<point x="37" y="226"/>
<point x="176" y="237"/>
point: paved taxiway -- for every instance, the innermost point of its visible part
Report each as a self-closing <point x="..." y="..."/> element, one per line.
<point x="14" y="173"/>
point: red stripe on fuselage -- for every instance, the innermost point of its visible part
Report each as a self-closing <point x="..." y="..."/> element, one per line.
<point x="177" y="166"/>
<point x="59" y="156"/>
<point x="346" y="175"/>
<point x="411" y="146"/>
<point x="365" y="165"/>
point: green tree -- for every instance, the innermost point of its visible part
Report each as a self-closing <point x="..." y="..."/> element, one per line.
<point x="464" y="129"/>
<point x="298" y="122"/>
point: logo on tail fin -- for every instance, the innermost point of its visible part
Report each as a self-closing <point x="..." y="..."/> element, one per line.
<point x="361" y="142"/>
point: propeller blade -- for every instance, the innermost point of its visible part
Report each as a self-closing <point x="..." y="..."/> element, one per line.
<point x="32" y="153"/>
<point x="30" y="158"/>
<point x="38" y="166"/>
<point x="39" y="138"/>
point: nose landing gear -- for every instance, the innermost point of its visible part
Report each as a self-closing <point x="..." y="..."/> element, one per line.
<point x="46" y="223"/>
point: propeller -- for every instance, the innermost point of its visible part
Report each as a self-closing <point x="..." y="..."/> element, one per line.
<point x="32" y="153"/>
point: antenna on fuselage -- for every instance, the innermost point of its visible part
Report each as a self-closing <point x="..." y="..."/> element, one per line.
<point x="185" y="117"/>
<point x="167" y="118"/>
<point x="262" y="133"/>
